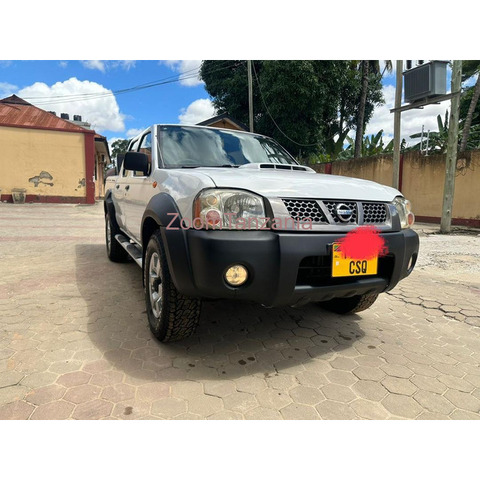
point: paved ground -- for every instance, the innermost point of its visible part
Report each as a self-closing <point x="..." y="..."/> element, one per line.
<point x="75" y="343"/>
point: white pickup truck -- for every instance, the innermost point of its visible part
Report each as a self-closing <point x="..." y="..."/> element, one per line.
<point x="214" y="213"/>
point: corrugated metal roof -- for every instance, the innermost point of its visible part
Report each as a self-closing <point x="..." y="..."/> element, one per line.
<point x="16" y="112"/>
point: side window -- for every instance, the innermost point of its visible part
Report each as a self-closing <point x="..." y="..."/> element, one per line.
<point x="146" y="147"/>
<point x="133" y="148"/>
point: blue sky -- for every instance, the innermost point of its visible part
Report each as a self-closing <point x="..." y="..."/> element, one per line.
<point x="91" y="89"/>
<point x="118" y="115"/>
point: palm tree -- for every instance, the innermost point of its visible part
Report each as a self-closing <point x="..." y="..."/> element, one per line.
<point x="470" y="68"/>
<point x="366" y="67"/>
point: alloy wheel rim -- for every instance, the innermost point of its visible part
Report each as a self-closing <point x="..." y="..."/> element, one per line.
<point x="155" y="285"/>
<point x="108" y="236"/>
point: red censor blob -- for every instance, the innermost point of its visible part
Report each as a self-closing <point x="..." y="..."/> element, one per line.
<point x="363" y="243"/>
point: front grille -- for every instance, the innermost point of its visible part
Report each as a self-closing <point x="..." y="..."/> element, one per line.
<point x="301" y="209"/>
<point x="332" y="208"/>
<point x="374" y="213"/>
<point x="317" y="271"/>
<point x="337" y="212"/>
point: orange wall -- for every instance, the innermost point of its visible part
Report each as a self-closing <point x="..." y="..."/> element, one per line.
<point x="26" y="153"/>
<point x="423" y="180"/>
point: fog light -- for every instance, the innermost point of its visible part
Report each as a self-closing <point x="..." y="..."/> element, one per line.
<point x="236" y="275"/>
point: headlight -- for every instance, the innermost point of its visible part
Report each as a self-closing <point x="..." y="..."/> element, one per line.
<point x="229" y="209"/>
<point x="407" y="218"/>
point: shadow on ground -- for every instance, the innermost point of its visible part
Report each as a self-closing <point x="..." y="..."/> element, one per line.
<point x="233" y="338"/>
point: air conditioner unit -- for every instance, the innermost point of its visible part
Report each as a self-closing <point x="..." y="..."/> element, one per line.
<point x="425" y="81"/>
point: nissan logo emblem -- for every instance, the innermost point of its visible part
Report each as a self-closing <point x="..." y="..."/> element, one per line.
<point x="344" y="213"/>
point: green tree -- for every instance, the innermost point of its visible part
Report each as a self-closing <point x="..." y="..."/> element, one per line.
<point x="119" y="146"/>
<point x="370" y="75"/>
<point x="308" y="106"/>
<point x="469" y="68"/>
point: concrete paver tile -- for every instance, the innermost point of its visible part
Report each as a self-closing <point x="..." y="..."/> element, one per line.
<point x="370" y="390"/>
<point x="169" y="407"/>
<point x="434" y="402"/>
<point x="224" y="415"/>
<point x="18" y="410"/>
<point x="402" y="386"/>
<point x="240" y="402"/>
<point x="331" y="410"/>
<point x="93" y="410"/>
<point x="463" y="400"/>
<point x="401" y="405"/>
<point x="150" y="392"/>
<point x="306" y="395"/>
<point x="456" y="383"/>
<point x="296" y="411"/>
<point x="367" y="409"/>
<point x="57" y="410"/>
<point x="204" y="405"/>
<point x="73" y="379"/>
<point x="273" y="399"/>
<point x="429" y="384"/>
<point x="82" y="393"/>
<point x="339" y="393"/>
<point x="47" y="394"/>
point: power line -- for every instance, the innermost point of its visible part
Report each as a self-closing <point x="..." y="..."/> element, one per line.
<point x="273" y="120"/>
<point x="60" y="99"/>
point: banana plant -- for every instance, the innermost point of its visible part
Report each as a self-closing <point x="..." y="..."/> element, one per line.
<point x="437" y="141"/>
<point x="372" y="145"/>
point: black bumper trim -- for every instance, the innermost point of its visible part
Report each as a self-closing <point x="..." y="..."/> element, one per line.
<point x="272" y="259"/>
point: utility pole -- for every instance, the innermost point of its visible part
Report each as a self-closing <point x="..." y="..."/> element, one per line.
<point x="452" y="145"/>
<point x="250" y="93"/>
<point x="396" y="126"/>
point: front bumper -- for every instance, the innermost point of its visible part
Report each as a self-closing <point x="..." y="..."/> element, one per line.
<point x="284" y="268"/>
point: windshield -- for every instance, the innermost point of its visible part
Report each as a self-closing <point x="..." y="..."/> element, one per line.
<point x="202" y="147"/>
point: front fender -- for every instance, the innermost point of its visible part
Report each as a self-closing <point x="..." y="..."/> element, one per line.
<point x="162" y="214"/>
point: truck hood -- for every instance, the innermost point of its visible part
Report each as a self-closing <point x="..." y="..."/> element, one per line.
<point x="298" y="184"/>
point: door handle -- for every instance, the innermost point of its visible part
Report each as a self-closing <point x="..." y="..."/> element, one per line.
<point x="127" y="187"/>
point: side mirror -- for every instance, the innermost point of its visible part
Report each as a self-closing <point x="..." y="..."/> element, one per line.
<point x="137" y="162"/>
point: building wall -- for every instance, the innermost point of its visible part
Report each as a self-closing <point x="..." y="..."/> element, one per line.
<point x="225" y="124"/>
<point x="48" y="164"/>
<point x="422" y="182"/>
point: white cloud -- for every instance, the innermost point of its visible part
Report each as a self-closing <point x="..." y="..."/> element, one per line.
<point x="6" y="89"/>
<point x="125" y="64"/>
<point x="133" y="132"/>
<point x="103" y="66"/>
<point x="63" y="64"/>
<point x="94" y="65"/>
<point x="95" y="103"/>
<point x="188" y="70"/>
<point x="411" y="120"/>
<point x="197" y="111"/>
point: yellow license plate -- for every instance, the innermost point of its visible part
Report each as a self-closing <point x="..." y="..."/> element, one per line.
<point x="349" y="267"/>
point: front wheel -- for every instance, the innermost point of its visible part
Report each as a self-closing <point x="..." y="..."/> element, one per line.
<point x="354" y="304"/>
<point x="171" y="315"/>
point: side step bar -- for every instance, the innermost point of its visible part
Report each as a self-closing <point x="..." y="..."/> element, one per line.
<point x="131" y="248"/>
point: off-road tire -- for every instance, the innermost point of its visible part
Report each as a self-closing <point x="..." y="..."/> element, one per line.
<point x="171" y="315"/>
<point x="344" y="306"/>
<point x="115" y="252"/>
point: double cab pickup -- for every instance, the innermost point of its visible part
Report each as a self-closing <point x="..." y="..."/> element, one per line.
<point x="213" y="213"/>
